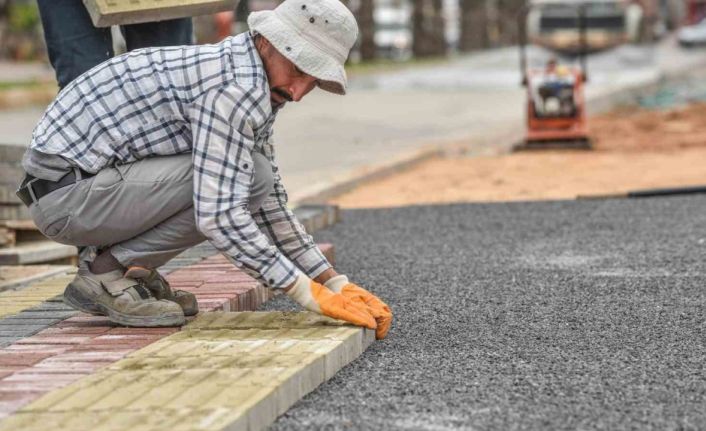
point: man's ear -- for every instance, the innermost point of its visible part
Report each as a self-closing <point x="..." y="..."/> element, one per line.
<point x="262" y="44"/>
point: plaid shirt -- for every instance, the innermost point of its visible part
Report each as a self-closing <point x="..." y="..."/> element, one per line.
<point x="210" y="100"/>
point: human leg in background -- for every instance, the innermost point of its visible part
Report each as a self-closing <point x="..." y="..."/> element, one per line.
<point x="74" y="45"/>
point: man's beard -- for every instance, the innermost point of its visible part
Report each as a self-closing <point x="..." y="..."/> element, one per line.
<point x="283" y="94"/>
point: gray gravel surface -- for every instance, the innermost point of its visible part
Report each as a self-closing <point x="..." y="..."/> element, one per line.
<point x="549" y="315"/>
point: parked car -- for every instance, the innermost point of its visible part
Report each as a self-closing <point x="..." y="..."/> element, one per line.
<point x="693" y="35"/>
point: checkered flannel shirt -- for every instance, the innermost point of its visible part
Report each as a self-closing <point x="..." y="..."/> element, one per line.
<point x="212" y="101"/>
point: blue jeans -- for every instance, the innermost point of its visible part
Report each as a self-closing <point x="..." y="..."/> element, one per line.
<point x="74" y="45"/>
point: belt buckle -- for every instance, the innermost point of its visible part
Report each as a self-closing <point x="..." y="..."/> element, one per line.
<point x="30" y="190"/>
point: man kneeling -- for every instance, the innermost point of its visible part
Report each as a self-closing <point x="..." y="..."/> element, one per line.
<point x="157" y="150"/>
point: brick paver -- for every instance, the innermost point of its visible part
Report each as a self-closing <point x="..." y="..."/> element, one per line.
<point x="12" y="302"/>
<point x="235" y="370"/>
<point x="80" y="345"/>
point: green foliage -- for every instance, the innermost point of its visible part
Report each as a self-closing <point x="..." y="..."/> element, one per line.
<point x="23" y="16"/>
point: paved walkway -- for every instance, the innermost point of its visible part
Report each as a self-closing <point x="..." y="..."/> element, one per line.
<point x="50" y="355"/>
<point x="234" y="371"/>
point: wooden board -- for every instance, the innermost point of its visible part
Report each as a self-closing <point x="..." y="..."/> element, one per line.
<point x="13" y="232"/>
<point x="45" y="251"/>
<point x="105" y="13"/>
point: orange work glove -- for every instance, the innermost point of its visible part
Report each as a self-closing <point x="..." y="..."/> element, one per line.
<point x="359" y="296"/>
<point x="317" y="298"/>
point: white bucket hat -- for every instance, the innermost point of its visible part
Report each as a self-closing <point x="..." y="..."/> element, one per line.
<point x="315" y="35"/>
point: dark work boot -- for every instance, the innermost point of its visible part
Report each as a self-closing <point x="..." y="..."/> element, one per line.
<point x="160" y="288"/>
<point x="124" y="300"/>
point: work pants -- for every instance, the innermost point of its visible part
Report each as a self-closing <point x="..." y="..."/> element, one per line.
<point x="74" y="45"/>
<point x="142" y="211"/>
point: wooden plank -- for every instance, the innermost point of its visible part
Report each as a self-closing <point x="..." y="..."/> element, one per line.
<point x="13" y="232"/>
<point x="105" y="13"/>
<point x="19" y="224"/>
<point x="37" y="252"/>
<point x="12" y="212"/>
<point x="7" y="237"/>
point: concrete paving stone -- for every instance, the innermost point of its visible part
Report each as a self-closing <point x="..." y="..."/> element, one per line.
<point x="56" y="339"/>
<point x="31" y="374"/>
<point x="203" y="370"/>
<point x="89" y="356"/>
<point x="38" y="348"/>
<point x="81" y="344"/>
<point x="22" y="359"/>
<point x="86" y="367"/>
<point x="11" y="401"/>
<point x="6" y="341"/>
<point x="33" y="386"/>
<point x="51" y="305"/>
<point x="65" y="330"/>
<point x="41" y="314"/>
<point x="12" y="302"/>
<point x="119" y="330"/>
<point x="21" y="331"/>
<point x="87" y="320"/>
<point x="90" y="347"/>
<point x="19" y="320"/>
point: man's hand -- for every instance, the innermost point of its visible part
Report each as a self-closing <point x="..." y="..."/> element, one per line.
<point x="359" y="296"/>
<point x="319" y="299"/>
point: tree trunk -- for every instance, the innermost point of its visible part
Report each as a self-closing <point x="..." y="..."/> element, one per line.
<point x="366" y="25"/>
<point x="427" y="26"/>
<point x="439" y="28"/>
<point x="507" y="21"/>
<point x="474" y="26"/>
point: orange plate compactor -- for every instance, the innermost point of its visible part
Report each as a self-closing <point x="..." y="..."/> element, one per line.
<point x="556" y="107"/>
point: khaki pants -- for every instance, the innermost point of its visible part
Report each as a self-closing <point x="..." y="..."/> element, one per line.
<point x="142" y="211"/>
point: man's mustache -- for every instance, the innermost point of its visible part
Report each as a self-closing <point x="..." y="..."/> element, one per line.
<point x="282" y="93"/>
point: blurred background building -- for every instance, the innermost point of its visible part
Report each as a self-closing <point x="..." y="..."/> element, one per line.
<point x="402" y="30"/>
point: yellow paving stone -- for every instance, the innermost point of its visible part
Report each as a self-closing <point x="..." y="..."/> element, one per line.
<point x="235" y="371"/>
<point x="129" y="386"/>
<point x="53" y="398"/>
<point x="106" y="384"/>
<point x="262" y="320"/>
<point x="15" y="301"/>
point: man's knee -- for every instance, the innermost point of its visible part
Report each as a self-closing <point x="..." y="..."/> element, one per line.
<point x="263" y="183"/>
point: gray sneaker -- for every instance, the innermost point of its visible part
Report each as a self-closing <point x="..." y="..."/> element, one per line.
<point x="160" y="288"/>
<point x="125" y="301"/>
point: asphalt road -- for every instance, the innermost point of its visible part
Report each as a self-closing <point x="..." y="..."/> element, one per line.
<point x="545" y="315"/>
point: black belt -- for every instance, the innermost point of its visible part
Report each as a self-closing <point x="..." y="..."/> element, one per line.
<point x="33" y="189"/>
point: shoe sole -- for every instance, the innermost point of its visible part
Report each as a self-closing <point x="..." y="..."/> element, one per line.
<point x="74" y="298"/>
<point x="170" y="319"/>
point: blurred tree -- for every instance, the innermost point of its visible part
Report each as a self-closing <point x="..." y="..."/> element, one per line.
<point x="428" y="28"/>
<point x="20" y="30"/>
<point x="364" y="12"/>
<point x="474" y="25"/>
<point x="439" y="27"/>
<point x="506" y="18"/>
<point x="4" y="12"/>
<point x="366" y="24"/>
